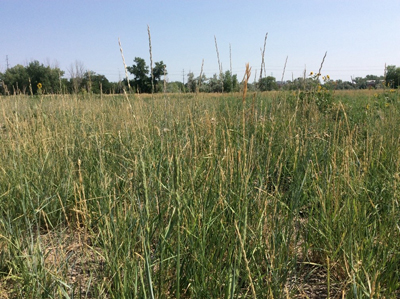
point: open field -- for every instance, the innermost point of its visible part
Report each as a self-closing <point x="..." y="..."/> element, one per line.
<point x="283" y="195"/>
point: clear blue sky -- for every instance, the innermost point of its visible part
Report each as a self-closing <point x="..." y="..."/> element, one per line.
<point x="359" y="36"/>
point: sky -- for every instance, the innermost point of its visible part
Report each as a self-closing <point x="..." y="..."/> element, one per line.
<point x="360" y="37"/>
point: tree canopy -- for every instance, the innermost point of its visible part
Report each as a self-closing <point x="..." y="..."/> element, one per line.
<point x="142" y="81"/>
<point x="267" y="84"/>
<point x="96" y="83"/>
<point x="20" y="79"/>
<point x="393" y="76"/>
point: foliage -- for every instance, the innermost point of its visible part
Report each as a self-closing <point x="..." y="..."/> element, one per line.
<point x="20" y="79"/>
<point x="267" y="84"/>
<point x="231" y="83"/>
<point x="96" y="83"/>
<point x="191" y="83"/>
<point x="340" y="85"/>
<point x="159" y="70"/>
<point x="175" y="87"/>
<point x="16" y="79"/>
<point x="317" y="94"/>
<point x="47" y="76"/>
<point x="393" y="76"/>
<point x="226" y="82"/>
<point x="142" y="80"/>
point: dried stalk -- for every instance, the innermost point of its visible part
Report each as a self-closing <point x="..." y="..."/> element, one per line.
<point x="125" y="67"/>
<point x="284" y="68"/>
<point x="219" y="64"/>
<point x="230" y="58"/>
<point x="230" y="62"/>
<point x="151" y="61"/>
<point x="201" y="74"/>
<point x="322" y="63"/>
<point x="165" y="80"/>
<point x="246" y="78"/>
<point x="246" y="261"/>
<point x="263" y="55"/>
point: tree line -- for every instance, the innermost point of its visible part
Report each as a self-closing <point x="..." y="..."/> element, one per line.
<point x="36" y="78"/>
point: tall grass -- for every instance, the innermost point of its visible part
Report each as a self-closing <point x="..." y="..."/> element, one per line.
<point x="200" y="196"/>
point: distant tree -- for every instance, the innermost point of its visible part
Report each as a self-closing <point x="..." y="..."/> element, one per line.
<point x="251" y="87"/>
<point x="267" y="84"/>
<point x="159" y="70"/>
<point x="373" y="77"/>
<point x="65" y="86"/>
<point x="16" y="79"/>
<point x="302" y="84"/>
<point x="120" y="86"/>
<point x="175" y="87"/>
<point x="191" y="82"/>
<point x="142" y="80"/>
<point x="76" y="72"/>
<point x="393" y="76"/>
<point x="214" y="83"/>
<point x="230" y="82"/>
<point x="20" y="79"/>
<point x="96" y="83"/>
<point x="202" y="85"/>
<point x="47" y="76"/>
<point x="339" y="85"/>
<point x="360" y="83"/>
<point x="140" y="70"/>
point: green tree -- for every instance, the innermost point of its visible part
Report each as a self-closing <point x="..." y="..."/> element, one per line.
<point x="339" y="85"/>
<point x="16" y="79"/>
<point x="140" y="70"/>
<point x="159" y="70"/>
<point x="214" y="83"/>
<point x="96" y="83"/>
<point x="175" y="87"/>
<point x="191" y="83"/>
<point x="47" y="76"/>
<point x="360" y="83"/>
<point x="267" y="84"/>
<point x="231" y="82"/>
<point x="393" y="76"/>
<point x="142" y="80"/>
<point x="202" y="85"/>
<point x="300" y="83"/>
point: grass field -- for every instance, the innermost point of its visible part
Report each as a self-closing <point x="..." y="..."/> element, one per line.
<point x="283" y="195"/>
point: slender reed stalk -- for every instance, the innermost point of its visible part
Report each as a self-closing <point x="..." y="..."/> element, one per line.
<point x="146" y="228"/>
<point x="200" y="77"/>
<point x="219" y="64"/>
<point x="165" y="80"/>
<point x="322" y="63"/>
<point x="151" y="61"/>
<point x="284" y="68"/>
<point x="263" y="55"/>
<point x="246" y="78"/>
<point x="230" y="58"/>
<point x="125" y="67"/>
<point x="230" y="65"/>
<point x="253" y="291"/>
<point x="30" y="86"/>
